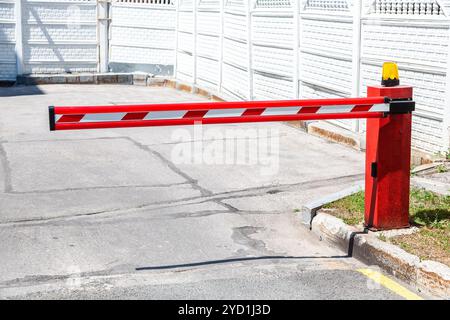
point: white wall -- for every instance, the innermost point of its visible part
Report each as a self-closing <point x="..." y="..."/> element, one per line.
<point x="59" y="36"/>
<point x="272" y="50"/>
<point x="8" y="70"/>
<point x="236" y="68"/>
<point x="208" y="37"/>
<point x="142" y="36"/>
<point x="185" y="41"/>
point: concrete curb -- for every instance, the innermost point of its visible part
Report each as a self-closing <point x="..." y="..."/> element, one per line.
<point x="135" y="78"/>
<point x="334" y="133"/>
<point x="427" y="276"/>
<point x="431" y="185"/>
<point x="310" y="210"/>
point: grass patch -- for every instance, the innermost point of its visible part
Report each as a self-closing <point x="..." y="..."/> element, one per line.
<point x="441" y="168"/>
<point x="428" y="211"/>
<point x="350" y="209"/>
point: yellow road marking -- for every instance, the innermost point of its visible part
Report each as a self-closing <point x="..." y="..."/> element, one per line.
<point x="390" y="284"/>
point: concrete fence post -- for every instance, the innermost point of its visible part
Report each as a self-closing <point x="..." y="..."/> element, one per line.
<point x="446" y="119"/>
<point x="19" y="37"/>
<point x="103" y="35"/>
<point x="221" y="46"/>
<point x="177" y="28"/>
<point x="195" y="49"/>
<point x="296" y="45"/>
<point x="301" y="7"/>
<point x="356" y="56"/>
<point x="249" y="10"/>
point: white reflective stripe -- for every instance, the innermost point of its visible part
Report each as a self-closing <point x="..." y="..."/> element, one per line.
<point x="335" y="109"/>
<point x="57" y="117"/>
<point x="100" y="117"/>
<point x="224" y="113"/>
<point x="161" y="115"/>
<point x="281" y="111"/>
<point x="381" y="107"/>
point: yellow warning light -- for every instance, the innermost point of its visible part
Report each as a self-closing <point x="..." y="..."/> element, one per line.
<point x="390" y="75"/>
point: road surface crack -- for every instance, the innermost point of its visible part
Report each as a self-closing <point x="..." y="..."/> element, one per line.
<point x="172" y="166"/>
<point x="4" y="162"/>
<point x="217" y="198"/>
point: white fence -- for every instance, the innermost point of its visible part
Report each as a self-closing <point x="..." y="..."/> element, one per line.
<point x="47" y="36"/>
<point x="142" y="36"/>
<point x="282" y="49"/>
<point x="245" y="49"/>
<point x="8" y="69"/>
<point x="58" y="36"/>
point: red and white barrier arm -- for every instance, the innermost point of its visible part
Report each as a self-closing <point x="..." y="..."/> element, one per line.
<point x="92" y="117"/>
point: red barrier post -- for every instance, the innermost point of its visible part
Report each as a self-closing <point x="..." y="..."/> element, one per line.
<point x="388" y="153"/>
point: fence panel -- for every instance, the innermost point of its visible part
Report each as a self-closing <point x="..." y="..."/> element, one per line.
<point x="186" y="46"/>
<point x="142" y="36"/>
<point x="272" y="49"/>
<point x="8" y="69"/>
<point x="235" y="78"/>
<point x="59" y="36"/>
<point x="208" y="44"/>
<point x="325" y="54"/>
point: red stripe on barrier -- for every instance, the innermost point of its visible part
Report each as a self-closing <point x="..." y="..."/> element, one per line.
<point x="195" y="114"/>
<point x="71" y="118"/>
<point x="190" y="121"/>
<point x="308" y="110"/>
<point x="360" y="108"/>
<point x="253" y="112"/>
<point x="135" y="116"/>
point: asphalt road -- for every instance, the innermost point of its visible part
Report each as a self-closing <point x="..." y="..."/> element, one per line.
<point x="124" y="214"/>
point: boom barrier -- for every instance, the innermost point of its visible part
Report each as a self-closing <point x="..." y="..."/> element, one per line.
<point x="388" y="109"/>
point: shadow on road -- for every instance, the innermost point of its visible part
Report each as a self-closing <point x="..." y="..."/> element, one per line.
<point x="20" y="90"/>
<point x="222" y="261"/>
